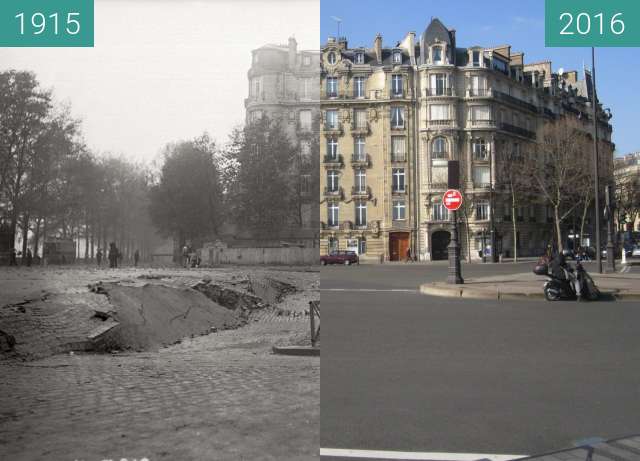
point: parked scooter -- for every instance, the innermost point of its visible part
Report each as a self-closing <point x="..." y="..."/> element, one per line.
<point x="575" y="283"/>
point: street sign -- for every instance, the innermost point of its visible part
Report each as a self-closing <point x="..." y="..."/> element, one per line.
<point x="452" y="199"/>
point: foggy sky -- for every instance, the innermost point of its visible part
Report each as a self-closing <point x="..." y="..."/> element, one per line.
<point x="165" y="70"/>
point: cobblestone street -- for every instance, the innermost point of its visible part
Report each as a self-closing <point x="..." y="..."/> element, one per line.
<point x="222" y="396"/>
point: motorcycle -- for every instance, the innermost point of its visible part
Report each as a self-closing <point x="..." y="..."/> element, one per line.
<point x="557" y="289"/>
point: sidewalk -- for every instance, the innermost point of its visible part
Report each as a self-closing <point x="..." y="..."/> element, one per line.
<point x="619" y="286"/>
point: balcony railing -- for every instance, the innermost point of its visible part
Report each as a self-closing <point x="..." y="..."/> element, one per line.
<point x="440" y="92"/>
<point x="396" y="95"/>
<point x="398" y="157"/>
<point x="515" y="101"/>
<point x="396" y="191"/>
<point x="361" y="160"/>
<point x="333" y="160"/>
<point x="479" y="93"/>
<point x="448" y="122"/>
<point x="517" y="130"/>
<point x="360" y="128"/>
<point x="335" y="128"/>
<point x="398" y="127"/>
<point x="439" y="185"/>
<point x="361" y="192"/>
<point x="334" y="192"/>
<point x="483" y="123"/>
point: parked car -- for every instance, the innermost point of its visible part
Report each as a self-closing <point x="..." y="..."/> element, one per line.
<point x="635" y="252"/>
<point x="340" y="257"/>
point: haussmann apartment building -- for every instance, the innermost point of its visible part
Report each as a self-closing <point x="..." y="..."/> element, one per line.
<point x="393" y="116"/>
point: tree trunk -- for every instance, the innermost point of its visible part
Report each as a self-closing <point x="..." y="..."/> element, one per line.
<point x="44" y="239"/>
<point x="86" y="237"/>
<point x="36" y="237"/>
<point x="514" y="220"/>
<point x="25" y="236"/>
<point x="556" y="216"/>
<point x="583" y="220"/>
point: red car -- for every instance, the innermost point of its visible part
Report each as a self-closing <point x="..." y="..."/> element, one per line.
<point x="339" y="257"/>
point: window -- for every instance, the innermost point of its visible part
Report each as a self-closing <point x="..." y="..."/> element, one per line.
<point x="255" y="149"/>
<point x="397" y="117"/>
<point x="332" y="214"/>
<point x="439" y="112"/>
<point x="397" y="57"/>
<point x="359" y="148"/>
<point x="480" y="113"/>
<point x="438" y="84"/>
<point x="516" y="151"/>
<point x="306" y="60"/>
<point x="332" y="148"/>
<point x="479" y="149"/>
<point x="500" y="66"/>
<point x="358" y="87"/>
<point x="332" y="119"/>
<point x="331" y="58"/>
<point x="305" y="184"/>
<point x="396" y="85"/>
<point x="439" y="149"/>
<point x="482" y="210"/>
<point x="399" y="210"/>
<point x="306" y="88"/>
<point x="361" y="213"/>
<point x="255" y="87"/>
<point x="439" y="212"/>
<point x="481" y="176"/>
<point x="478" y="85"/>
<point x="256" y="115"/>
<point x="437" y="55"/>
<point x="476" y="59"/>
<point x="397" y="175"/>
<point x="360" y="118"/>
<point x="256" y="58"/>
<point x="520" y="212"/>
<point x="332" y="87"/>
<point x="305" y="120"/>
<point x="362" y="246"/>
<point x="359" y="57"/>
<point x="398" y="149"/>
<point x="361" y="180"/>
<point x="305" y="148"/>
<point x="333" y="178"/>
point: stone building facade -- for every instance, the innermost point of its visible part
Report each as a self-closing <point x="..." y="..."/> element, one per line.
<point x="394" y="116"/>
<point x="627" y="180"/>
<point x="283" y="84"/>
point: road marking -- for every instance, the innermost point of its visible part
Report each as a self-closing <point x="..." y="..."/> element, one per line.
<point x="413" y="455"/>
<point x="392" y="290"/>
<point x="625" y="269"/>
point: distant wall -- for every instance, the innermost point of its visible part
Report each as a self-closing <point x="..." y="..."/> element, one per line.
<point x="291" y="256"/>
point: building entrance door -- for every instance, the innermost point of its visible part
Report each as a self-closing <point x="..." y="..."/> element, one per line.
<point x="439" y="243"/>
<point x="398" y="245"/>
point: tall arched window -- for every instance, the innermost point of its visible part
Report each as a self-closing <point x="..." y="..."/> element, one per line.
<point x="439" y="149"/>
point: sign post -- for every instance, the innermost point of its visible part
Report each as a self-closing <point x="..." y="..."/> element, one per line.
<point x="452" y="201"/>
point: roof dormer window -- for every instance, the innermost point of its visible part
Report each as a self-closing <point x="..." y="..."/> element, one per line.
<point x="397" y="57"/>
<point x="475" y="56"/>
<point x="436" y="54"/>
<point x="331" y="58"/>
<point x="359" y="57"/>
<point x="306" y="60"/>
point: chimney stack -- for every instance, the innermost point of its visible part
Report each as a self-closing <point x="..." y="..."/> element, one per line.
<point x="377" y="45"/>
<point x="293" y="50"/>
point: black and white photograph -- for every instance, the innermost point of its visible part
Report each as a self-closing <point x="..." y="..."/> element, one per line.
<point x="159" y="279"/>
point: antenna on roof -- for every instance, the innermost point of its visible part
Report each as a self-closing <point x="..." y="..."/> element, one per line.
<point x="338" y="21"/>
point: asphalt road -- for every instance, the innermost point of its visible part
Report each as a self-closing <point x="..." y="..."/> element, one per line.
<point x="404" y="371"/>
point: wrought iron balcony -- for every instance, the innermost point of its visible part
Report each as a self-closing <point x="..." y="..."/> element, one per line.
<point x="361" y="160"/>
<point x="438" y="123"/>
<point x="335" y="193"/>
<point x="330" y="160"/>
<point x="360" y="128"/>
<point x="333" y="128"/>
<point x="483" y="123"/>
<point x="500" y="96"/>
<point x="362" y="193"/>
<point x="479" y="93"/>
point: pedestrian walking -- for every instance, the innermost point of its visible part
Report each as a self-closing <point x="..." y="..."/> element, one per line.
<point x="13" y="259"/>
<point x="28" y="257"/>
<point x="185" y="255"/>
<point x="113" y="255"/>
<point x="99" y="257"/>
<point x="409" y="258"/>
<point x="136" y="258"/>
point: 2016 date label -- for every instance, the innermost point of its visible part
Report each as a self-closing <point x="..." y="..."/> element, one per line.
<point x="601" y="23"/>
<point x="43" y="23"/>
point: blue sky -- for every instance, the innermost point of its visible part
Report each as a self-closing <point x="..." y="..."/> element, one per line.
<point x="519" y="23"/>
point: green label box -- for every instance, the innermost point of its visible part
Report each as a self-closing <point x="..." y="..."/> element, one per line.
<point x="46" y="23"/>
<point x="586" y="23"/>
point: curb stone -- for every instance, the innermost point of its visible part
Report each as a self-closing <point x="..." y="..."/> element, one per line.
<point x="297" y="350"/>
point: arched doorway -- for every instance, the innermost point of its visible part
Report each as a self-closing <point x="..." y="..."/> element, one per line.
<point x="398" y="245"/>
<point x="439" y="243"/>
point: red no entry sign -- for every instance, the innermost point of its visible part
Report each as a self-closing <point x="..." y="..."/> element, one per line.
<point x="452" y="199"/>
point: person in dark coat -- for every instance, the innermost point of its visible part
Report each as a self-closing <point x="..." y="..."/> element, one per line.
<point x="136" y="258"/>
<point x="99" y="257"/>
<point x="13" y="260"/>
<point x="28" y="257"/>
<point x="113" y="255"/>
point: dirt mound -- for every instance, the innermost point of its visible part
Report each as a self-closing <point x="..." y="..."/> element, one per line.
<point x="152" y="316"/>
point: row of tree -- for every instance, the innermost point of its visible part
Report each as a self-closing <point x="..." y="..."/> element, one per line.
<point x="52" y="186"/>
